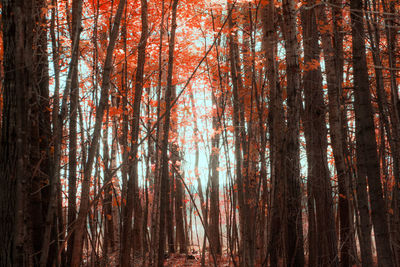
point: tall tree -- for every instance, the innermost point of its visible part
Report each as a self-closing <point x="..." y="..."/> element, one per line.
<point x="84" y="207"/>
<point x="316" y="137"/>
<point x="294" y="238"/>
<point x="333" y="75"/>
<point x="214" y="228"/>
<point x="164" y="145"/>
<point x="25" y="157"/>
<point x="73" y="116"/>
<point x="14" y="135"/>
<point x="276" y="127"/>
<point x="133" y="200"/>
<point x="368" y="166"/>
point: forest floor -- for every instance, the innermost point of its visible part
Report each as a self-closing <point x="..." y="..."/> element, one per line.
<point x="183" y="260"/>
<point x="194" y="259"/>
<point x="190" y="259"/>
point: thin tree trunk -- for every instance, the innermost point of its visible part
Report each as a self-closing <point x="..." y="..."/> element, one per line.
<point x="157" y="177"/>
<point x="236" y="125"/>
<point x="276" y="127"/>
<point x="84" y="207"/>
<point x="164" y="146"/>
<point x="214" y="230"/>
<point x="73" y="115"/>
<point x="294" y="229"/>
<point x="133" y="201"/>
<point x="391" y="37"/>
<point x="180" y="211"/>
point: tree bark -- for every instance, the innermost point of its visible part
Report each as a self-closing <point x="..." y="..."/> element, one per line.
<point x="276" y="127"/>
<point x="73" y="115"/>
<point x="25" y="158"/>
<point x="214" y="230"/>
<point x="179" y="190"/>
<point x="84" y="207"/>
<point x="133" y="200"/>
<point x="164" y="146"/>
<point x="334" y="88"/>
<point x="14" y="134"/>
<point x="368" y="166"/>
<point x="294" y="229"/>
<point x="316" y="138"/>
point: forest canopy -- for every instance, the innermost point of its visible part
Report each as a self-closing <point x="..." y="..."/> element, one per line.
<point x="200" y="133"/>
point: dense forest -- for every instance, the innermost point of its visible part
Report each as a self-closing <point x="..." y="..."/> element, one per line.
<point x="200" y="133"/>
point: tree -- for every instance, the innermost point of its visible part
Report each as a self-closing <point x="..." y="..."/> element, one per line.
<point x="315" y="133"/>
<point x="368" y="166"/>
<point x="73" y="120"/>
<point x="164" y="146"/>
<point x="133" y="201"/>
<point x="295" y="247"/>
<point x="25" y="158"/>
<point x="84" y="207"/>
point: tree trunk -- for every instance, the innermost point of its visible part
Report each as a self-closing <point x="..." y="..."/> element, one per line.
<point x="334" y="89"/>
<point x="164" y="146"/>
<point x="180" y="211"/>
<point x="294" y="229"/>
<point x="73" y="115"/>
<point x="14" y="159"/>
<point x="213" y="224"/>
<point x="25" y="158"/>
<point x="133" y="200"/>
<point x="316" y="138"/>
<point x="391" y="37"/>
<point x="368" y="166"/>
<point x="157" y="177"/>
<point x="276" y="121"/>
<point x="84" y="207"/>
